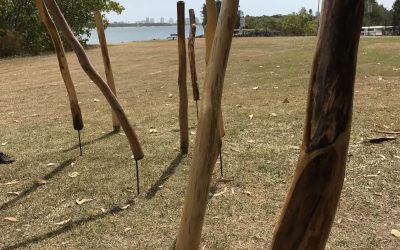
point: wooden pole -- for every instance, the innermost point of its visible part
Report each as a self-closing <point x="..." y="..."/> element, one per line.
<point x="96" y="78"/>
<point x="63" y="64"/>
<point x="192" y="55"/>
<point x="107" y="63"/>
<point x="311" y="204"/>
<point x="206" y="147"/>
<point x="183" y="97"/>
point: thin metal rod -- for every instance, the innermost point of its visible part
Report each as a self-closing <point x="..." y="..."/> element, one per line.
<point x="80" y="142"/>
<point x="220" y="160"/>
<point x="197" y="109"/>
<point x="137" y="177"/>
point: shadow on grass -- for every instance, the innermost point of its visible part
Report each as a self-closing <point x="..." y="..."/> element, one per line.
<point x="71" y="225"/>
<point x="35" y="186"/>
<point x="105" y="136"/>
<point x="164" y="177"/>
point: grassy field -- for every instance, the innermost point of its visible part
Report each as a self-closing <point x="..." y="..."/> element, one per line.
<point x="264" y="104"/>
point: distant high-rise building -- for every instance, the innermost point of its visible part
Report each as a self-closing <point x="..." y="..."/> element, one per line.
<point x="187" y="20"/>
<point x="171" y="20"/>
<point x="162" y="20"/>
<point x="152" y="20"/>
<point x="147" y="20"/>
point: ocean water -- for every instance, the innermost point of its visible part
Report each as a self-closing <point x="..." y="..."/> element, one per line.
<point x="130" y="34"/>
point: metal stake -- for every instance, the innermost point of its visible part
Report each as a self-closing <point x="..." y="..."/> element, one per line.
<point x="137" y="177"/>
<point x="197" y="110"/>
<point x="80" y="143"/>
<point x="220" y="160"/>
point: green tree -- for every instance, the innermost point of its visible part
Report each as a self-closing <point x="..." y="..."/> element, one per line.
<point x="396" y="13"/>
<point x="376" y="15"/>
<point x="20" y="19"/>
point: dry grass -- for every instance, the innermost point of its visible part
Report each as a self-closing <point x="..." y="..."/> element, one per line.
<point x="259" y="154"/>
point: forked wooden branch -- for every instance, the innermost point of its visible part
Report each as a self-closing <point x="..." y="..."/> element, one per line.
<point x="107" y="63"/>
<point x="192" y="55"/>
<point x="311" y="204"/>
<point x="206" y="147"/>
<point x="63" y="64"/>
<point x="183" y="97"/>
<point x="96" y="78"/>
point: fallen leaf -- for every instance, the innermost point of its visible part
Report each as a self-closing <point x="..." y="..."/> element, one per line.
<point x="41" y="182"/>
<point x="123" y="134"/>
<point x="395" y="233"/>
<point x="4" y="143"/>
<point x="96" y="100"/>
<point x="236" y="150"/>
<point x="35" y="115"/>
<point x="248" y="193"/>
<point x="103" y="210"/>
<point x="255" y="88"/>
<point x="221" y="193"/>
<point x="251" y="141"/>
<point x="261" y="66"/>
<point x="12" y="219"/>
<point x="73" y="174"/>
<point x="171" y="95"/>
<point x="273" y="115"/>
<point x="81" y="201"/>
<point x="11" y="183"/>
<point x="125" y="207"/>
<point x="234" y="83"/>
<point x="277" y="66"/>
<point x="286" y="100"/>
<point x="251" y="117"/>
<point x="153" y="131"/>
<point x="51" y="165"/>
<point x="13" y="193"/>
<point x="63" y="222"/>
<point x="192" y="132"/>
<point x="380" y="78"/>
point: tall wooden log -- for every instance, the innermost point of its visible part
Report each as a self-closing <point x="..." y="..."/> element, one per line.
<point x="63" y="64"/>
<point x="192" y="55"/>
<point x="95" y="77"/>
<point x="206" y="147"/>
<point x="311" y="204"/>
<point x="183" y="97"/>
<point x="209" y="30"/>
<point x="107" y="63"/>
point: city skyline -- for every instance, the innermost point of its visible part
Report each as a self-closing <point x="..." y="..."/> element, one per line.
<point x="136" y="10"/>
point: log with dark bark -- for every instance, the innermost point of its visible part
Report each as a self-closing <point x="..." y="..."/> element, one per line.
<point x="63" y="64"/>
<point x="107" y="63"/>
<point x="192" y="55"/>
<point x="183" y="97"/>
<point x="206" y="147"/>
<point x="311" y="204"/>
<point x="95" y="77"/>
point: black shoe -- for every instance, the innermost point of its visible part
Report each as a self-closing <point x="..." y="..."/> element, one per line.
<point x="5" y="159"/>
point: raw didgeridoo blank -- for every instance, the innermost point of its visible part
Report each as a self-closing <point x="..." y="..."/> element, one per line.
<point x="212" y="18"/>
<point x="311" y="204"/>
<point x="183" y="97"/>
<point x="206" y="148"/>
<point x="107" y="63"/>
<point x="63" y="64"/>
<point x="192" y="55"/>
<point x="96" y="78"/>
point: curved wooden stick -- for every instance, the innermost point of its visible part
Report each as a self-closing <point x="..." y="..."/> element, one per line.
<point x="183" y="97"/>
<point x="63" y="64"/>
<point x="206" y="147"/>
<point x="107" y="63"/>
<point x="192" y="55"/>
<point x="312" y="201"/>
<point x="96" y="78"/>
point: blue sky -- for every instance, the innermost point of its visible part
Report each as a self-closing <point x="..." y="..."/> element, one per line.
<point x="136" y="10"/>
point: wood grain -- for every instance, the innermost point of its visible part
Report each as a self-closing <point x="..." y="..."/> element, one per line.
<point x="183" y="96"/>
<point x="96" y="78"/>
<point x="311" y="204"/>
<point x="192" y="55"/>
<point x="63" y="64"/>
<point x="206" y="147"/>
<point x="107" y="63"/>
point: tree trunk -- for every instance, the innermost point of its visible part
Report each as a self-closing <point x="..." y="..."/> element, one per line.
<point x="96" y="78"/>
<point x="192" y="55"/>
<point x="63" y="64"/>
<point x="183" y="97"/>
<point x="206" y="147"/>
<point x="107" y="63"/>
<point x="312" y="201"/>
